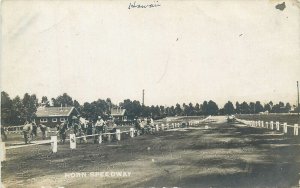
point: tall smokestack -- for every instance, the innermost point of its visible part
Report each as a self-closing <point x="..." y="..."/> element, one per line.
<point x="143" y="98"/>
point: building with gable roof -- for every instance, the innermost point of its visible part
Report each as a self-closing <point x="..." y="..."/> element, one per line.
<point x="51" y="116"/>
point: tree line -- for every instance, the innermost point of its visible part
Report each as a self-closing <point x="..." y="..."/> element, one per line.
<point x="17" y="110"/>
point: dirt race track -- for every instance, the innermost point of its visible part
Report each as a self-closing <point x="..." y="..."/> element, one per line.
<point x="223" y="155"/>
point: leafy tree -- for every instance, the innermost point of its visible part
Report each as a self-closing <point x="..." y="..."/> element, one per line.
<point x="45" y="101"/>
<point x="6" y="108"/>
<point x="204" y="108"/>
<point x="162" y="111"/>
<point x="178" y="110"/>
<point x="237" y="108"/>
<point x="62" y="100"/>
<point x="30" y="104"/>
<point x="288" y="107"/>
<point x="245" y="108"/>
<point x="133" y="108"/>
<point x="258" y="107"/>
<point x="228" y="108"/>
<point x="252" y="107"/>
<point x="197" y="109"/>
<point x="17" y="111"/>
<point x="212" y="108"/>
<point x="267" y="107"/>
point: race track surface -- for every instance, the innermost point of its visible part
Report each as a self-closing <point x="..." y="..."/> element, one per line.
<point x="215" y="154"/>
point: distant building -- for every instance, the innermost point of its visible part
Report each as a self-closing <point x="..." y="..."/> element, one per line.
<point x="118" y="114"/>
<point x="51" y="116"/>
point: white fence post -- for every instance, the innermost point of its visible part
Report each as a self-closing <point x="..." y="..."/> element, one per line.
<point x="118" y="134"/>
<point x="271" y="125"/>
<point x="54" y="143"/>
<point x="156" y="128"/>
<point x="277" y="125"/>
<point x="296" y="129"/>
<point x="285" y="128"/>
<point x="100" y="138"/>
<point x="267" y="125"/>
<point x="131" y="132"/>
<point x="72" y="141"/>
<point x="162" y="127"/>
<point x="2" y="151"/>
<point x="262" y="124"/>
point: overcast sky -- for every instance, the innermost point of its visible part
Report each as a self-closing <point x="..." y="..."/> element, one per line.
<point x="181" y="51"/>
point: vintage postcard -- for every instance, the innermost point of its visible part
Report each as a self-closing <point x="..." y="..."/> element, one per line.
<point x="161" y="93"/>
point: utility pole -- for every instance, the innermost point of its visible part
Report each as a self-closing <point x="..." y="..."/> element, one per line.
<point x="143" y="98"/>
<point x="298" y="98"/>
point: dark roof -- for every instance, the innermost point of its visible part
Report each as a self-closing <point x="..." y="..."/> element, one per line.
<point x="117" y="112"/>
<point x="54" y="111"/>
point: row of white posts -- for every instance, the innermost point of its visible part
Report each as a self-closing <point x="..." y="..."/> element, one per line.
<point x="73" y="137"/>
<point x="117" y="134"/>
<point x="271" y="125"/>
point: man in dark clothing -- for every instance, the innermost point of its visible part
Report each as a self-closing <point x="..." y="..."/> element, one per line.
<point x="3" y="134"/>
<point x="34" y="130"/>
<point x="63" y="132"/>
<point x="90" y="128"/>
<point x="43" y="129"/>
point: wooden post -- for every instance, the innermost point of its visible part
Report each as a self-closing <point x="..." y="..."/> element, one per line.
<point x="267" y="125"/>
<point x="285" y="128"/>
<point x="100" y="138"/>
<point x="131" y="132"/>
<point x="54" y="144"/>
<point x="118" y="134"/>
<point x="72" y="141"/>
<point x="2" y="151"/>
<point x="277" y="125"/>
<point x="156" y="128"/>
<point x="296" y="129"/>
<point x="271" y="125"/>
<point x="162" y="127"/>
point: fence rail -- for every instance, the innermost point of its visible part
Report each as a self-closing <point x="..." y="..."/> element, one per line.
<point x="272" y="125"/>
<point x="117" y="136"/>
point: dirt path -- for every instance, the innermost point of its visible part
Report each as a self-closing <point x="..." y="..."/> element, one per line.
<point x="223" y="155"/>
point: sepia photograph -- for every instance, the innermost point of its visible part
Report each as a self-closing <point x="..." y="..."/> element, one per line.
<point x="150" y="93"/>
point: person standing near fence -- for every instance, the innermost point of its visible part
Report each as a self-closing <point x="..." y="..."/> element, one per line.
<point x="63" y="132"/>
<point x="43" y="129"/>
<point x="75" y="126"/>
<point x="34" y="130"/>
<point x="27" y="132"/>
<point x="90" y="127"/>
<point x="98" y="128"/>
